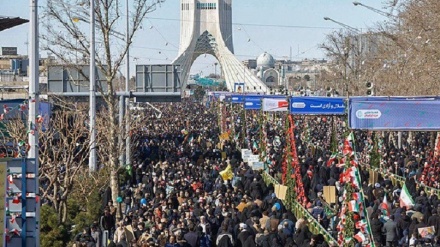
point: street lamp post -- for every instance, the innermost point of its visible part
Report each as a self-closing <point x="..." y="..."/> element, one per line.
<point x="347" y="45"/>
<point x="92" y="113"/>
<point x="127" y="89"/>
<point x="380" y="12"/>
<point x="34" y="58"/>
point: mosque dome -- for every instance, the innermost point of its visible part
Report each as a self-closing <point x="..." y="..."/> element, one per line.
<point x="265" y="60"/>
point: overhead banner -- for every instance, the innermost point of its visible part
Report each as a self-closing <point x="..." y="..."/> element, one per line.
<point x="237" y="99"/>
<point x="317" y="106"/>
<point x="270" y="104"/>
<point x="394" y="113"/>
<point x="240" y="98"/>
<point x="252" y="103"/>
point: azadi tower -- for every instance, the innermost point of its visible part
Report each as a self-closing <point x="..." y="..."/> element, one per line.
<point x="206" y="28"/>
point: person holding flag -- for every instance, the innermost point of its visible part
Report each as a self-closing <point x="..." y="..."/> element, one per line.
<point x="405" y="198"/>
<point x="385" y="209"/>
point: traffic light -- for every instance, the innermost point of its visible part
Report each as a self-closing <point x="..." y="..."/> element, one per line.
<point x="370" y="88"/>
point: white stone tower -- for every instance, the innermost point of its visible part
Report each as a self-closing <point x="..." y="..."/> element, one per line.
<point x="206" y="28"/>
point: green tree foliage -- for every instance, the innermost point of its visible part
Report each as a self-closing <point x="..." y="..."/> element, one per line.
<point x="199" y="93"/>
<point x="54" y="234"/>
<point x="87" y="217"/>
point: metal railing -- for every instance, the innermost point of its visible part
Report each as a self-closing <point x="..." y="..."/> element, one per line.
<point x="300" y="212"/>
<point x="396" y="179"/>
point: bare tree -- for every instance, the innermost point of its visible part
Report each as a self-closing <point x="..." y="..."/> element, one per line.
<point x="345" y="49"/>
<point x="66" y="39"/>
<point x="403" y="53"/>
<point x="63" y="153"/>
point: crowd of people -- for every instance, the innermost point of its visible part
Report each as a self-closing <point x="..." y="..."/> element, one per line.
<point x="177" y="196"/>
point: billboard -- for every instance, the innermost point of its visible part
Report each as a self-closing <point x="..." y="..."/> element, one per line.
<point x="317" y="105"/>
<point x="9" y="51"/>
<point x="158" y="78"/>
<point x="71" y="79"/>
<point x="394" y="113"/>
<point x="239" y="87"/>
<point x="271" y="104"/>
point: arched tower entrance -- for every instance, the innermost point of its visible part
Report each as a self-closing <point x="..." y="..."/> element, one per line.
<point x="206" y="28"/>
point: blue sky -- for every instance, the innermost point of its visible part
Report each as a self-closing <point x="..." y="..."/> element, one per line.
<point x="289" y="24"/>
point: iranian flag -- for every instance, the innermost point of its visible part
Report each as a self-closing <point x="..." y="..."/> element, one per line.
<point x="360" y="237"/>
<point x="353" y="206"/>
<point x="405" y="198"/>
<point x="347" y="148"/>
<point x="331" y="159"/>
<point x="384" y="206"/>
<point x="361" y="225"/>
<point x="357" y="196"/>
<point x="352" y="175"/>
<point x="341" y="163"/>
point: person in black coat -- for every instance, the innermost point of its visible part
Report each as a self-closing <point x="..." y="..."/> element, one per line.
<point x="434" y="220"/>
<point x="376" y="228"/>
<point x="411" y="184"/>
<point x="302" y="233"/>
<point x="243" y="235"/>
<point x="224" y="238"/>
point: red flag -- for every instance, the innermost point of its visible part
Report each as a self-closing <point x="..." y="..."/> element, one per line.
<point x="16" y="200"/>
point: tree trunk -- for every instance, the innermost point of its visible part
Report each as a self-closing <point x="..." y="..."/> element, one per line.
<point x="113" y="151"/>
<point x="62" y="213"/>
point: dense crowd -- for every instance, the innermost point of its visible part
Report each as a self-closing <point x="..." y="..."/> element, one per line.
<point x="177" y="197"/>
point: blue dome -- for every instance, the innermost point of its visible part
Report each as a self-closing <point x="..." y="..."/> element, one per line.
<point x="265" y="60"/>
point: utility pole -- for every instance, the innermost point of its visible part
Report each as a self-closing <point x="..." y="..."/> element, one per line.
<point x="127" y="89"/>
<point x="92" y="113"/>
<point x="34" y="57"/>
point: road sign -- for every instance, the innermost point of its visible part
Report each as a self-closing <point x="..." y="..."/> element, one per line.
<point x="158" y="78"/>
<point x="69" y="79"/>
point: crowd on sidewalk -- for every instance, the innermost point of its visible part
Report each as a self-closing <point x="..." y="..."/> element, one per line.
<point x="177" y="196"/>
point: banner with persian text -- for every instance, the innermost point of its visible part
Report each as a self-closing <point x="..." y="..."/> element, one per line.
<point x="317" y="105"/>
<point x="394" y="113"/>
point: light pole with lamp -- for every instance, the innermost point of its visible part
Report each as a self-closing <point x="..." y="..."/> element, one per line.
<point x="92" y="113"/>
<point x="33" y="104"/>
<point x="127" y="89"/>
<point x="347" y="45"/>
<point x="380" y="12"/>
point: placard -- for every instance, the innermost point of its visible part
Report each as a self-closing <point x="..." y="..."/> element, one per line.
<point x="426" y="231"/>
<point x="373" y="177"/>
<point x="223" y="155"/>
<point x="329" y="193"/>
<point x="245" y="153"/>
<point x="280" y="191"/>
<point x="253" y="158"/>
<point x="257" y="166"/>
